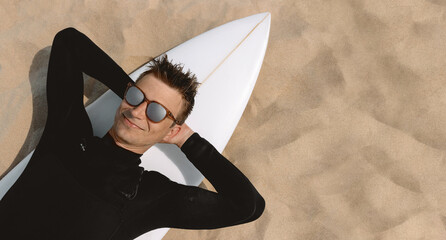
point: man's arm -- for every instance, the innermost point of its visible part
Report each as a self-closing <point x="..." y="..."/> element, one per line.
<point x="92" y="60"/>
<point x="236" y="200"/>
<point x="71" y="54"/>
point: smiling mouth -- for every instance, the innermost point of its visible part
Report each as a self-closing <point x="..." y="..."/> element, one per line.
<point x="130" y="123"/>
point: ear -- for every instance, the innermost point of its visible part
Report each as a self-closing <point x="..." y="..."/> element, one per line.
<point x="173" y="132"/>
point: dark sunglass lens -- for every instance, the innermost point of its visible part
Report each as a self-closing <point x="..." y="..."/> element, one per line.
<point x="156" y="112"/>
<point x="134" y="96"/>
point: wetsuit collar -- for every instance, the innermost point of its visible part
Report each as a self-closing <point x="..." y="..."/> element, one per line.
<point x="109" y="141"/>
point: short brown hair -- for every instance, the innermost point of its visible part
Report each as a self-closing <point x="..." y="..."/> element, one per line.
<point x="173" y="75"/>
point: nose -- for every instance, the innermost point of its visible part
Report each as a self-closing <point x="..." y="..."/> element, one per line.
<point x="139" y="111"/>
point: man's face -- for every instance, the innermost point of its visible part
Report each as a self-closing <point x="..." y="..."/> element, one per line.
<point x="132" y="128"/>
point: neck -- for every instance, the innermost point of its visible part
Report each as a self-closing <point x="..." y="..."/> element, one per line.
<point x="119" y="142"/>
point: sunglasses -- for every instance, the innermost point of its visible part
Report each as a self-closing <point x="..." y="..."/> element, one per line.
<point x="155" y="111"/>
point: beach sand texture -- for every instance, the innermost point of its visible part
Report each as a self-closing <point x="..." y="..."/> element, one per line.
<point x="344" y="134"/>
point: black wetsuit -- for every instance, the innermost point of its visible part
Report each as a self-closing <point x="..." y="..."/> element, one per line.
<point x="78" y="186"/>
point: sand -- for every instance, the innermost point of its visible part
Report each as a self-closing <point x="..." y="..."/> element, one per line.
<point x="345" y="132"/>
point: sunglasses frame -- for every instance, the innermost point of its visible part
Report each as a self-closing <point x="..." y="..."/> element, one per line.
<point x="168" y="113"/>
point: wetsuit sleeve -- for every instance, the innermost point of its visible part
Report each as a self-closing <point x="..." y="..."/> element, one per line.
<point x="236" y="200"/>
<point x="87" y="57"/>
<point x="73" y="53"/>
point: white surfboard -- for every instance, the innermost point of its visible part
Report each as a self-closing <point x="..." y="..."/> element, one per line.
<point x="226" y="61"/>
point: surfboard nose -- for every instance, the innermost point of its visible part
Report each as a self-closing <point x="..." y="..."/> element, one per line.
<point x="264" y="16"/>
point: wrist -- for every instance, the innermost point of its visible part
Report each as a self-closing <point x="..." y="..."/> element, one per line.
<point x="184" y="138"/>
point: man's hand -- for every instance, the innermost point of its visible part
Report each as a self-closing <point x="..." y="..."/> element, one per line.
<point x="183" y="132"/>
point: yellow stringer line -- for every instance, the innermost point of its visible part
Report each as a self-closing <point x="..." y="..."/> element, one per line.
<point x="229" y="54"/>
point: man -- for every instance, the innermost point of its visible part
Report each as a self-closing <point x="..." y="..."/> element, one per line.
<point x="78" y="186"/>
